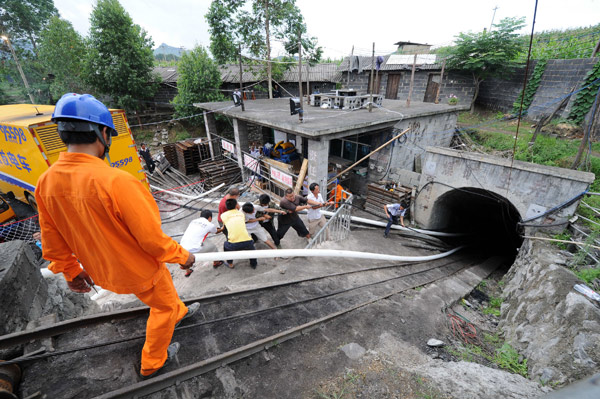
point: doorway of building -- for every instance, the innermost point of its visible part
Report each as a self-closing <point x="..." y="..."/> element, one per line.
<point x="393" y="82"/>
<point x="433" y="85"/>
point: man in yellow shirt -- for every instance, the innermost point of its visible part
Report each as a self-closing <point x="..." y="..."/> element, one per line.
<point x="101" y="226"/>
<point x="238" y="238"/>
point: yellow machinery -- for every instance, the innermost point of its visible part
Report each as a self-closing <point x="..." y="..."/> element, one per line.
<point x="29" y="144"/>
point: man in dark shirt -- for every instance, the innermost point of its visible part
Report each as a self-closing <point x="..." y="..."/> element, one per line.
<point x="145" y="153"/>
<point x="292" y="204"/>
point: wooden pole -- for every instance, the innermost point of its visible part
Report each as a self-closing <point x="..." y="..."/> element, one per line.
<point x="368" y="155"/>
<point x="300" y="77"/>
<point x="349" y="65"/>
<point x="308" y="81"/>
<point x="437" y="95"/>
<point x="412" y="82"/>
<point x="241" y="74"/>
<point x="371" y="85"/>
<point x="301" y="176"/>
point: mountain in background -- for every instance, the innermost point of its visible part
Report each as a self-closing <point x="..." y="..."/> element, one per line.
<point x="165" y="50"/>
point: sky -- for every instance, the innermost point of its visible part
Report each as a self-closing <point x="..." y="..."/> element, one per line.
<point x="341" y="24"/>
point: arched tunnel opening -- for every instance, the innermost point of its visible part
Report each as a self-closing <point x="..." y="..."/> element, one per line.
<point x="489" y="221"/>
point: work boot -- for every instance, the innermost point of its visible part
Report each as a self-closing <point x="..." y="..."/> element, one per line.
<point x="171" y="353"/>
<point x="278" y="246"/>
<point x="193" y="308"/>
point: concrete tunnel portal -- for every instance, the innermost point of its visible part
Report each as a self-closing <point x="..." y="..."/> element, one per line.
<point x="490" y="221"/>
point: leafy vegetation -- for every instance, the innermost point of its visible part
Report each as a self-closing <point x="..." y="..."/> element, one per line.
<point x="563" y="44"/>
<point x="532" y="85"/>
<point x="493" y="307"/>
<point x="61" y="52"/>
<point x="24" y="20"/>
<point x="588" y="275"/>
<point x="199" y="79"/>
<point x="119" y="59"/>
<point x="487" y="54"/>
<point x="563" y="236"/>
<point x="586" y="97"/>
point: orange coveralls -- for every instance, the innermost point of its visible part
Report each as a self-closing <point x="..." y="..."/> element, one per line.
<point x="108" y="220"/>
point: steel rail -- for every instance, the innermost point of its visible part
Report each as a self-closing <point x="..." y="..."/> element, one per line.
<point x="177" y="376"/>
<point x="62" y="327"/>
<point x="32" y="357"/>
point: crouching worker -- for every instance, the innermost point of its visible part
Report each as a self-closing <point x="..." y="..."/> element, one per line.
<point x="194" y="238"/>
<point x="100" y="225"/>
<point x="238" y="238"/>
<point x="392" y="212"/>
<point x="252" y="222"/>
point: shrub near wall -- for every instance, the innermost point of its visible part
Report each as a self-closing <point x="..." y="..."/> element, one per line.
<point x="586" y="97"/>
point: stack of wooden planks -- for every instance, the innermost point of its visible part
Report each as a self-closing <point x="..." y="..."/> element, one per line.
<point x="188" y="157"/>
<point x="219" y="171"/>
<point x="378" y="197"/>
<point x="169" y="150"/>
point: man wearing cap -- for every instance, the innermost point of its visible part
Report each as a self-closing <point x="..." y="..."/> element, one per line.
<point x="145" y="153"/>
<point x="101" y="226"/>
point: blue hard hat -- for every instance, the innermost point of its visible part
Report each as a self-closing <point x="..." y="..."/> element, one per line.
<point x="84" y="108"/>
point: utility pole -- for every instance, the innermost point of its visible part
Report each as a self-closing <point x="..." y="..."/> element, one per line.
<point x="437" y="94"/>
<point x="268" y="40"/>
<point x="412" y="82"/>
<point x="371" y="84"/>
<point x="300" y="76"/>
<point x="241" y="74"/>
<point x="25" y="82"/>
<point x="349" y="66"/>
<point x="493" y="16"/>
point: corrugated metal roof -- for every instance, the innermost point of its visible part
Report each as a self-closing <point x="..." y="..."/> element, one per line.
<point x="252" y="73"/>
<point x="167" y="74"/>
<point x="365" y="63"/>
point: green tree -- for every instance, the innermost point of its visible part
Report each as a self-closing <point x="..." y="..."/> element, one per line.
<point x="199" y="81"/>
<point x="487" y="54"/>
<point x="119" y="60"/>
<point x="62" y="52"/>
<point x="231" y="23"/>
<point x="25" y="19"/>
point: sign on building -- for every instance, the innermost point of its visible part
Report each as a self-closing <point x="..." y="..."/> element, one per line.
<point x="282" y="177"/>
<point x="227" y="146"/>
<point x="251" y="163"/>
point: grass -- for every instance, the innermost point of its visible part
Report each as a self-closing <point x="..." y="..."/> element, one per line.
<point x="563" y="236"/>
<point x="350" y="379"/>
<point x="588" y="275"/>
<point x="493" y="307"/>
<point x="503" y="355"/>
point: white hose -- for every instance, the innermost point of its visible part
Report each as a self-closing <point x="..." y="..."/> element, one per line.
<point x="47" y="273"/>
<point x="383" y="224"/>
<point x="307" y="253"/>
<point x="188" y="196"/>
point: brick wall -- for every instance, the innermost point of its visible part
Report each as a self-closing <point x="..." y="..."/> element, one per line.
<point x="559" y="78"/>
<point x="454" y="83"/>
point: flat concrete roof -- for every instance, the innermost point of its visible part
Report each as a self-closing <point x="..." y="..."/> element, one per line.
<point x="319" y="122"/>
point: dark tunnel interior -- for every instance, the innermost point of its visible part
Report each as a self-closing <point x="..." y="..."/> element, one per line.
<point x="490" y="221"/>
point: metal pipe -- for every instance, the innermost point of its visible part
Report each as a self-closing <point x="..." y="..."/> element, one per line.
<point x="310" y="253"/>
<point x="204" y="194"/>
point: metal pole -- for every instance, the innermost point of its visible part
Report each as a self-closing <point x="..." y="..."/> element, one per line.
<point x="371" y="85"/>
<point x="25" y="82"/>
<point x="493" y="16"/>
<point x="241" y="73"/>
<point x="349" y="65"/>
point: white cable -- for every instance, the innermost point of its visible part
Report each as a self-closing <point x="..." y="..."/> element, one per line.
<point x="204" y="194"/>
<point x="309" y="253"/>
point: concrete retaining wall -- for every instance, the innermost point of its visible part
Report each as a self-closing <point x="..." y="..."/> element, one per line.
<point x="559" y="78"/>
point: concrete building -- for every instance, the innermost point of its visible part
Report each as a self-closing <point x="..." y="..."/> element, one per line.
<point x="332" y="139"/>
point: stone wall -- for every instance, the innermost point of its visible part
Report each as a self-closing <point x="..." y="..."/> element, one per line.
<point x="559" y="78"/>
<point x="546" y="320"/>
<point x="454" y="83"/>
<point x="23" y="291"/>
<point x="262" y="92"/>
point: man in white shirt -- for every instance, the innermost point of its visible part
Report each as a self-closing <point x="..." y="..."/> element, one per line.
<point x="252" y="222"/>
<point x="194" y="238"/>
<point x="392" y="212"/>
<point x="315" y="218"/>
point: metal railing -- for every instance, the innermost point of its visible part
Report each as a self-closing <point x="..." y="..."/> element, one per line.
<point x="337" y="227"/>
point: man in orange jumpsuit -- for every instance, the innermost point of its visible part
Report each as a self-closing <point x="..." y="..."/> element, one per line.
<point x="101" y="226"/>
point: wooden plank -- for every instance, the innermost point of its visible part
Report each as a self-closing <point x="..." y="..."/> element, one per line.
<point x="301" y="176"/>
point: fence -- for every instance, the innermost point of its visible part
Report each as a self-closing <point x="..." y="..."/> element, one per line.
<point x="337" y="227"/>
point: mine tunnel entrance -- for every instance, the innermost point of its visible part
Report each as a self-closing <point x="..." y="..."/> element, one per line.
<point x="490" y="221"/>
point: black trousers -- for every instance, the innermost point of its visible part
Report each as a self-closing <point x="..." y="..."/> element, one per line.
<point x="270" y="227"/>
<point x="297" y="225"/>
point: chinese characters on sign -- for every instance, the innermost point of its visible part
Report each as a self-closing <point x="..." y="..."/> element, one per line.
<point x="18" y="161"/>
<point x="227" y="146"/>
<point x="282" y="177"/>
<point x="251" y="163"/>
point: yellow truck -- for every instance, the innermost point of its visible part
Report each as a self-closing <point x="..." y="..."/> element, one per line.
<point x="29" y="144"/>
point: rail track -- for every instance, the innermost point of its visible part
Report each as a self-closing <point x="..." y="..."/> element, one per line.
<point x="84" y="363"/>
